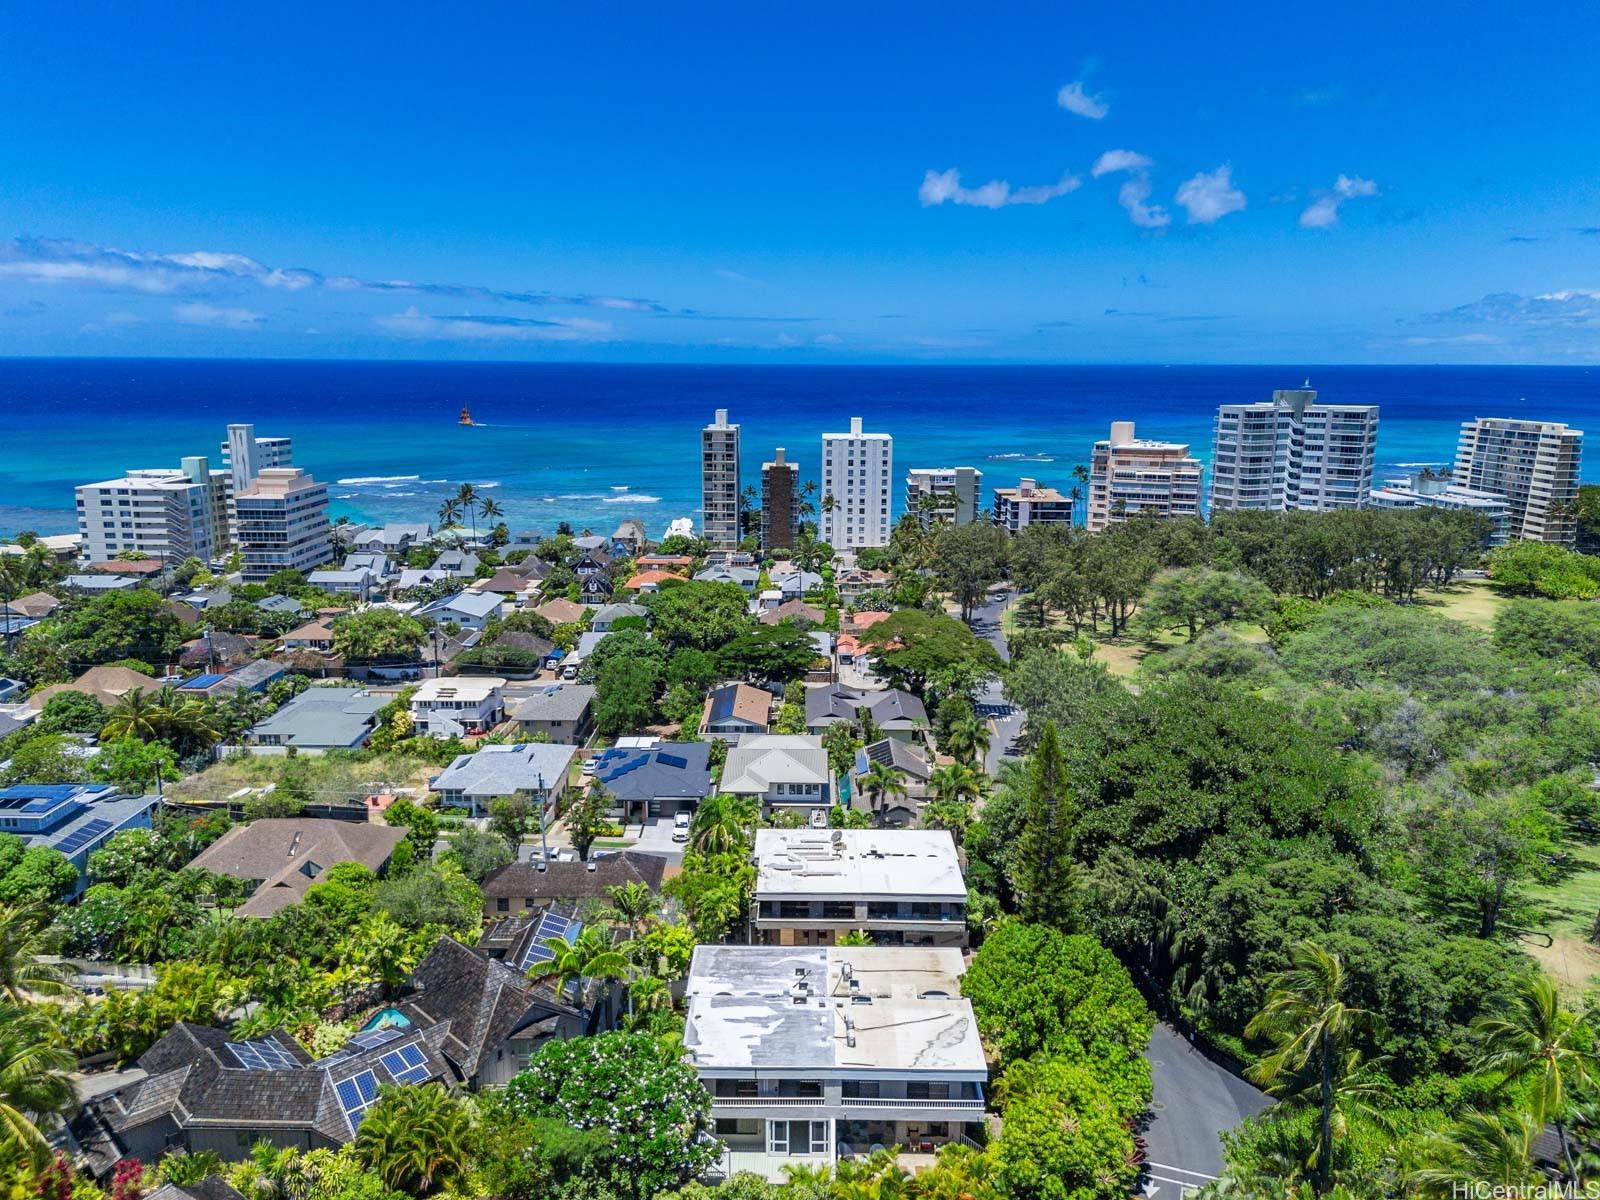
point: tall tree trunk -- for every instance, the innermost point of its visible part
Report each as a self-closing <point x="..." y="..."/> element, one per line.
<point x="1325" y="1152"/>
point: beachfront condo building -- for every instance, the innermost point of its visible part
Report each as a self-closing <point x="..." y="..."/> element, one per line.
<point x="1293" y="453"/>
<point x="244" y="456"/>
<point x="282" y="523"/>
<point x="169" y="514"/>
<point x="719" y="481"/>
<point x="780" y="503"/>
<point x="1431" y="489"/>
<point x="857" y="475"/>
<point x="1030" y="504"/>
<point x="1129" y="475"/>
<point x="944" y="495"/>
<point x="1533" y="464"/>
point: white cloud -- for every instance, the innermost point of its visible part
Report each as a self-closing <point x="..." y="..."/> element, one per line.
<point x="1323" y="212"/>
<point x="1210" y="196"/>
<point x="1132" y="196"/>
<point x="415" y="324"/>
<point x="1565" y="308"/>
<point x="218" y="318"/>
<point x="1075" y="99"/>
<point x="941" y="186"/>
<point x="1120" y="160"/>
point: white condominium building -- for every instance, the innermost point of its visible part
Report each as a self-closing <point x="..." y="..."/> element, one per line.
<point x="951" y="494"/>
<point x="1533" y="464"/>
<point x="1029" y="504"/>
<point x="245" y="455"/>
<point x="1130" y="475"/>
<point x="165" y="513"/>
<point x="719" y="481"/>
<point x="1425" y="489"/>
<point x="1293" y="453"/>
<point x="282" y="522"/>
<point x="857" y="474"/>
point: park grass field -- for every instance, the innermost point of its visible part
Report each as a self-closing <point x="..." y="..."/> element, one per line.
<point x="1568" y="906"/>
<point x="1472" y="602"/>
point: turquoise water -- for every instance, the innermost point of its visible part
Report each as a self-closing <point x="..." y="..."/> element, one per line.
<point x="594" y="444"/>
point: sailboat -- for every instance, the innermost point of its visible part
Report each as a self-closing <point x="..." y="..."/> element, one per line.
<point x="466" y="417"/>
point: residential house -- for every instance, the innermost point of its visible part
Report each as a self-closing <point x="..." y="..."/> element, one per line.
<point x="782" y="771"/>
<point x="563" y="711"/>
<point x="74" y="818"/>
<point x="744" y="577"/>
<point x="902" y="887"/>
<point x="207" y="598"/>
<point x="631" y="534"/>
<point x="911" y="761"/>
<point x="735" y="709"/>
<point x="468" y="609"/>
<point x="811" y="1053"/>
<point x="284" y="856"/>
<point x="795" y="584"/>
<point x="361" y="576"/>
<point x="393" y="539"/>
<point x="792" y="610"/>
<point x="444" y="708"/>
<point x="456" y="564"/>
<point x="106" y="684"/>
<point x="650" y="581"/>
<point x="562" y="611"/>
<point x="96" y="585"/>
<point x="252" y="677"/>
<point x="897" y="712"/>
<point x="533" y="771"/>
<point x="523" y="887"/>
<point x="508" y="584"/>
<point x="859" y="622"/>
<point x="321" y="718"/>
<point x="37" y="605"/>
<point x="677" y="563"/>
<point x="313" y="635"/>
<point x="215" y="650"/>
<point x="596" y="588"/>
<point x="607" y="615"/>
<point x="594" y="557"/>
<point x="854" y="583"/>
<point x="649" y="778"/>
<point x="281" y="604"/>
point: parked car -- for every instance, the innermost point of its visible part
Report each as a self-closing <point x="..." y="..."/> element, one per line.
<point x="680" y="827"/>
<point x="590" y="766"/>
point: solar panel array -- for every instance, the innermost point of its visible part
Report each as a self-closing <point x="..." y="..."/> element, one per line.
<point x="551" y="925"/>
<point x="375" y="1037"/>
<point x="81" y="837"/>
<point x="407" y="1064"/>
<point x="672" y="760"/>
<point x="356" y="1095"/>
<point x="263" y="1054"/>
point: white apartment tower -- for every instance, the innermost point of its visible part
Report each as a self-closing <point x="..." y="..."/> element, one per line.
<point x="1533" y="464"/>
<point x="719" y="481"/>
<point x="952" y="494"/>
<point x="857" y="474"/>
<point x="1130" y="475"/>
<point x="282" y="523"/>
<point x="1029" y="504"/>
<point x="157" y="513"/>
<point x="1293" y="453"/>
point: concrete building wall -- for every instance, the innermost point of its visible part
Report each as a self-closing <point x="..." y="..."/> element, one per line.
<point x="1533" y="464"/>
<point x="780" y="503"/>
<point x="858" y="475"/>
<point x="1129" y="475"/>
<point x="719" y="480"/>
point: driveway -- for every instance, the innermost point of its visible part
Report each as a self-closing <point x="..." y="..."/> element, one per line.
<point x="1195" y="1100"/>
<point x="655" y="837"/>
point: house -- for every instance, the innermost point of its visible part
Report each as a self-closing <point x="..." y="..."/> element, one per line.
<point x="143" y="568"/>
<point x="412" y="577"/>
<point x="284" y="856"/>
<point x="252" y="677"/>
<point x="744" y="577"/>
<point x="506" y="582"/>
<point x="444" y="708"/>
<point x="911" y="762"/>
<point x="596" y="588"/>
<point x="357" y="583"/>
<point x="74" y="818"/>
<point x="767" y="600"/>
<point x="215" y="649"/>
<point x="393" y="539"/>
<point x="313" y="635"/>
<point x="787" y="771"/>
<point x="903" y="887"/>
<point x="651" y="778"/>
<point x="463" y="1020"/>
<point x="735" y="709"/>
<point x="678" y="563"/>
<point x="525" y="539"/>
<point x="321" y="718"/>
<point x="532" y="771"/>
<point x="205" y="598"/>
<point x="607" y="615"/>
<point x="856" y="583"/>
<point x="792" y="610"/>
<point x="646" y="582"/>
<point x="811" y="1053"/>
<point x="895" y="711"/>
<point x="99" y="584"/>
<point x="859" y="622"/>
<point x="847" y="648"/>
<point x="561" y="611"/>
<point x="106" y="684"/>
<point x="563" y="711"/>
<point x="212" y="1187"/>
<point x="37" y="605"/>
<point x="456" y="564"/>
<point x="468" y="609"/>
<point x="594" y="557"/>
<point x="523" y="887"/>
<point x="630" y="535"/>
<point x="281" y="604"/>
<point x="795" y="584"/>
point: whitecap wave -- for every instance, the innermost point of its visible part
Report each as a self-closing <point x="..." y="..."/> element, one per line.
<point x="358" y="479"/>
<point x="581" y="496"/>
<point x="493" y="483"/>
<point x="631" y="498"/>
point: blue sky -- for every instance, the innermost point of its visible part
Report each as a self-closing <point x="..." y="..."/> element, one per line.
<point x="807" y="183"/>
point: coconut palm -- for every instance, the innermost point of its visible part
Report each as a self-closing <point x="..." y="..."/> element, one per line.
<point x="490" y="509"/>
<point x="25" y="940"/>
<point x="632" y="904"/>
<point x="967" y="738"/>
<point x="880" y="780"/>
<point x="34" y="1088"/>
<point x="954" y="816"/>
<point x="1535" y="1040"/>
<point x="956" y="781"/>
<point x="136" y="714"/>
<point x="1310" y="1026"/>
<point x="1496" y="1148"/>
<point x="722" y="825"/>
<point x="416" y="1138"/>
<point x="592" y="956"/>
<point x="467" y="498"/>
<point x="449" y="513"/>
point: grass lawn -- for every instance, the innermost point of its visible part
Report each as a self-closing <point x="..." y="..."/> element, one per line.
<point x="333" y="779"/>
<point x="1569" y="906"/>
<point x="1472" y="602"/>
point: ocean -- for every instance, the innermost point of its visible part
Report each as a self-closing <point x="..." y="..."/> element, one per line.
<point x="592" y="444"/>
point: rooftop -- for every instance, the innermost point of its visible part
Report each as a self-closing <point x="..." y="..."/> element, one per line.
<point x="565" y="702"/>
<point x="503" y="770"/>
<point x="321" y="717"/>
<point x="869" y="863"/>
<point x="761" y="760"/>
<point x="469" y="688"/>
<point x="675" y="770"/>
<point x="289" y="854"/>
<point x="574" y="880"/>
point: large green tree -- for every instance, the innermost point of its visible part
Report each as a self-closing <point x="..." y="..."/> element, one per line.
<point x="1046" y="875"/>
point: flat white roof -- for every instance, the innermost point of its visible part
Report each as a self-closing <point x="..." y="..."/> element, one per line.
<point x="798" y="1009"/>
<point x="457" y="687"/>
<point x="869" y="863"/>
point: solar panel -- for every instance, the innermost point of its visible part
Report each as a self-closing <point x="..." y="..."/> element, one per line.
<point x="551" y="925"/>
<point x="264" y="1054"/>
<point x="356" y="1095"/>
<point x="672" y="760"/>
<point x="408" y="1064"/>
<point x="375" y="1037"/>
<point x="79" y="838"/>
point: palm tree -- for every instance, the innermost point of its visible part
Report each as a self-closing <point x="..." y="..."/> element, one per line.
<point x="490" y="509"/>
<point x="467" y="498"/>
<point x="968" y="738"/>
<point x="1311" y="1027"/>
<point x="632" y="904"/>
<point x="381" y="949"/>
<point x="881" y="780"/>
<point x="592" y="956"/>
<point x="34" y="1088"/>
<point x="1537" y="1040"/>
<point x="1496" y="1148"/>
<point x="722" y="825"/>
<point x="24" y="942"/>
<point x="449" y="513"/>
<point x="956" y="781"/>
<point x="416" y="1138"/>
<point x="955" y="816"/>
<point x="136" y="714"/>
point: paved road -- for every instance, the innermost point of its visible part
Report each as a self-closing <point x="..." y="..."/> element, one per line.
<point x="1195" y="1101"/>
<point x="1007" y="721"/>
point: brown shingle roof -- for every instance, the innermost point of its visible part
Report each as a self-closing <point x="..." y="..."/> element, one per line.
<point x="561" y="611"/>
<point x="574" y="880"/>
<point x="105" y="684"/>
<point x="289" y="854"/>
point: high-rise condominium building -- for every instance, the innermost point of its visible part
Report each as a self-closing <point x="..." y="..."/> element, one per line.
<point x="244" y="456"/>
<point x="947" y="494"/>
<point x="1130" y="475"/>
<point x="1533" y="464"/>
<point x="282" y="523"/>
<point x="1293" y="453"/>
<point x="1029" y="504"/>
<point x="857" y="473"/>
<point x="164" y="513"/>
<point x="719" y="481"/>
<point x="780" y="503"/>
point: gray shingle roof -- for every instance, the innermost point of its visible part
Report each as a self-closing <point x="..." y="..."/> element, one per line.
<point x="564" y="703"/>
<point x="320" y="717"/>
<point x="505" y="770"/>
<point x="892" y="708"/>
<point x="573" y="880"/>
<point x="676" y="770"/>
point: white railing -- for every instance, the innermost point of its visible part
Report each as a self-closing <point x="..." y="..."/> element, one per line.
<point x="875" y="1102"/>
<point x="902" y="1102"/>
